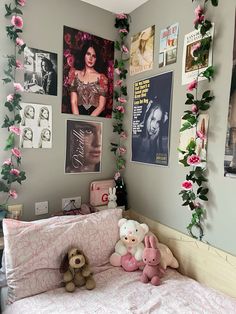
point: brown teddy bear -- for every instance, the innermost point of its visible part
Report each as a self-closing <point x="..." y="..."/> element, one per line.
<point x="76" y="270"/>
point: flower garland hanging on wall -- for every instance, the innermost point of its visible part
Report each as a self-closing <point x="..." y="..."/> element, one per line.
<point x="10" y="170"/>
<point x="120" y="92"/>
<point x="194" y="188"/>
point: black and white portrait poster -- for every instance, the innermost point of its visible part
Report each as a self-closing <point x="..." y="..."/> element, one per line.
<point x="151" y="119"/>
<point x="40" y="71"/>
<point x="88" y="71"/>
<point x="83" y="146"/>
<point x="35" y="126"/>
<point x="230" y="145"/>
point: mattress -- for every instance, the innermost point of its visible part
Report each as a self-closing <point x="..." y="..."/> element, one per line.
<point x="120" y="292"/>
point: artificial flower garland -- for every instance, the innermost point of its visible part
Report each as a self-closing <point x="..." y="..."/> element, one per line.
<point x="120" y="92"/>
<point x="10" y="170"/>
<point x="194" y="187"/>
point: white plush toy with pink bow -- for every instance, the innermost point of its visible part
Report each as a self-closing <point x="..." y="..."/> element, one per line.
<point x="129" y="249"/>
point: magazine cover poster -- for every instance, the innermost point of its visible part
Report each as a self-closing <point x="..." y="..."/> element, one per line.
<point x="151" y="120"/>
<point x="36" y="126"/>
<point x="168" y="45"/>
<point x="190" y="71"/>
<point x="190" y="134"/>
<point x="88" y="67"/>
<point x="83" y="146"/>
<point x="40" y="71"/>
<point x="142" y="50"/>
<point x="230" y="145"/>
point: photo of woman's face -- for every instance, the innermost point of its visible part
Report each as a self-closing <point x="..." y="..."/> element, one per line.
<point x="92" y="143"/>
<point x="30" y="113"/>
<point x="153" y="123"/>
<point x="44" y="114"/>
<point x="47" y="135"/>
<point x="90" y="57"/>
<point x="28" y="135"/>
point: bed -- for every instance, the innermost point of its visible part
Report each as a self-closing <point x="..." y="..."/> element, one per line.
<point x="117" y="291"/>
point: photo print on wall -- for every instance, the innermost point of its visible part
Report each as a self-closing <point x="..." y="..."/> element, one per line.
<point x="168" y="45"/>
<point x="190" y="71"/>
<point x="40" y="71"/>
<point x="88" y="73"/>
<point x="142" y="50"/>
<point x="83" y="146"/>
<point x="151" y="119"/>
<point x="35" y="126"/>
<point x="230" y="145"/>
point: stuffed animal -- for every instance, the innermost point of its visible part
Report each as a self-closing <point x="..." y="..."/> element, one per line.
<point x="152" y="271"/>
<point x="112" y="198"/>
<point x="129" y="249"/>
<point x="76" y="270"/>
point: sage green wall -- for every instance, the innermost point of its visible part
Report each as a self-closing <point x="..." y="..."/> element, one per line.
<point x="153" y="191"/>
<point x="44" y="168"/>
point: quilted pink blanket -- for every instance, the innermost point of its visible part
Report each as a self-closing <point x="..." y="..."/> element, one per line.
<point x="119" y="292"/>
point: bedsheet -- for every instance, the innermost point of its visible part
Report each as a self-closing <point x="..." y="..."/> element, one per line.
<point x="120" y="292"/>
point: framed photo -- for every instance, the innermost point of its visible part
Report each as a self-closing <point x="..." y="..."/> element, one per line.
<point x="88" y="70"/>
<point x="40" y="71"/>
<point x="83" y="146"/>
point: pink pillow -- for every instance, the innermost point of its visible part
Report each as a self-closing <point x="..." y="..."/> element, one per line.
<point x="34" y="250"/>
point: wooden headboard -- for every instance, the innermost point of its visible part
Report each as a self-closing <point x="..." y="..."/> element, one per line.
<point x="198" y="260"/>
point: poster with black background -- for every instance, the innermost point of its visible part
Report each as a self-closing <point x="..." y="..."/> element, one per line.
<point x="151" y="119"/>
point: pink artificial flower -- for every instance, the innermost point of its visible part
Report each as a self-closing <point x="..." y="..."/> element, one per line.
<point x="194" y="109"/>
<point x="117" y="175"/>
<point x="19" y="65"/>
<point x="120" y="109"/>
<point x="122" y="100"/>
<point x="15" y="172"/>
<point x="70" y="60"/>
<point x="123" y="30"/>
<point x="19" y="41"/>
<point x="196" y="47"/>
<point x="198" y="11"/>
<point x="192" y="85"/>
<point x="7" y="162"/>
<point x="124" y="49"/>
<point x="121" y="16"/>
<point x="118" y="71"/>
<point x="18" y="87"/>
<point x="67" y="38"/>
<point x="187" y="185"/>
<point x="198" y="20"/>
<point x="16" y="152"/>
<point x="10" y="97"/>
<point x="121" y="150"/>
<point x="17" y="21"/>
<point x="14" y="129"/>
<point x="67" y="53"/>
<point x="194" y="160"/>
<point x="21" y="2"/>
<point x="118" y="82"/>
<point x="201" y="135"/>
<point x="123" y="135"/>
<point x="13" y="194"/>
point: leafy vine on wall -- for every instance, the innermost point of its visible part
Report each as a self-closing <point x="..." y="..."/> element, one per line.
<point x="10" y="169"/>
<point x="194" y="188"/>
<point x="120" y="92"/>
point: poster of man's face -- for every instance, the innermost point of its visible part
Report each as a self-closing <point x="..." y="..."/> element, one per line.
<point x="84" y="146"/>
<point x="40" y="71"/>
<point x="88" y="66"/>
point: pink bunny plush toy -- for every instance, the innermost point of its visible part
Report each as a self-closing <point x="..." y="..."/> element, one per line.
<point x="151" y="257"/>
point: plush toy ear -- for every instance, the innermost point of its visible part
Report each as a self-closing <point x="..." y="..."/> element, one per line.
<point x="152" y="241"/>
<point x="121" y="222"/>
<point x="145" y="227"/>
<point x="110" y="190"/>
<point x="146" y="241"/>
<point x="64" y="264"/>
<point x="114" y="191"/>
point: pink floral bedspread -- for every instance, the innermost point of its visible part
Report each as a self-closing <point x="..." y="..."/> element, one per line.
<point x="119" y="292"/>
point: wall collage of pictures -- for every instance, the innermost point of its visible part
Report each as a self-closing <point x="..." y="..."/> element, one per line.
<point x="88" y="78"/>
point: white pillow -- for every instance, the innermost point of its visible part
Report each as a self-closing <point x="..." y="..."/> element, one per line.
<point x="34" y="250"/>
